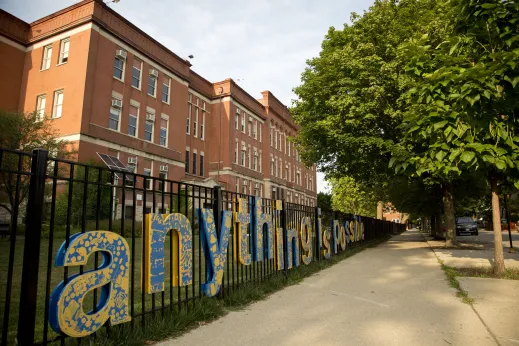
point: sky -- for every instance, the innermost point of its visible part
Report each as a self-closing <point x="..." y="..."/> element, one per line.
<point x="262" y="43"/>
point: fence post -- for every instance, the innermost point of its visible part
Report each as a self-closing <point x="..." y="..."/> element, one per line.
<point x="31" y="253"/>
<point x="284" y="226"/>
<point x="318" y="234"/>
<point x="217" y="207"/>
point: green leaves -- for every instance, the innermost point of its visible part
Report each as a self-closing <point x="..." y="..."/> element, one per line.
<point x="467" y="156"/>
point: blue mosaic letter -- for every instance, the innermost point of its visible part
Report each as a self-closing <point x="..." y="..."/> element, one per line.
<point x="66" y="313"/>
<point x="215" y="250"/>
<point x="259" y="222"/>
<point x="156" y="228"/>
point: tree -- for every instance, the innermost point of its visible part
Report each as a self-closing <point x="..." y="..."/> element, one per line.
<point x="465" y="100"/>
<point x="348" y="101"/>
<point x="24" y="132"/>
<point x="348" y="196"/>
<point x="324" y="201"/>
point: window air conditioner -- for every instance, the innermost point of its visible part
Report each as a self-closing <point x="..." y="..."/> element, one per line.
<point x="117" y="103"/>
<point x="132" y="160"/>
<point x="154" y="73"/>
<point x="120" y="53"/>
<point x="164" y="168"/>
<point x="150" y="116"/>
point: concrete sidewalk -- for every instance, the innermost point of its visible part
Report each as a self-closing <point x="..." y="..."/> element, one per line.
<point x="394" y="294"/>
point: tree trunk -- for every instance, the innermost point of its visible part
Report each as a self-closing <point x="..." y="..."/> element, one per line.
<point x="499" y="261"/>
<point x="438" y="225"/>
<point x="380" y="210"/>
<point x="450" y="221"/>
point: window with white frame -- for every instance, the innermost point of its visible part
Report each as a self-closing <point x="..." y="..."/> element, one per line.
<point x="164" y="132"/>
<point x="132" y="167"/>
<point x="289" y="144"/>
<point x="148" y="130"/>
<point x="237" y="119"/>
<point x="255" y="130"/>
<point x="260" y="132"/>
<point x="40" y="107"/>
<point x="202" y="126"/>
<point x="286" y="144"/>
<point x="276" y="170"/>
<point x="119" y="67"/>
<point x="201" y="164"/>
<point x="58" y="104"/>
<point x="237" y="184"/>
<point x="236" y="149"/>
<point x="260" y="160"/>
<point x="272" y="166"/>
<point x="133" y="115"/>
<point x="115" y="115"/>
<point x="166" y="85"/>
<point x="244" y="187"/>
<point x="186" y="162"/>
<point x="194" y="163"/>
<point x="286" y="172"/>
<point x="188" y="121"/>
<point x="249" y="126"/>
<point x="136" y="73"/>
<point x="195" y="123"/>
<point x="279" y="138"/>
<point x="163" y="175"/>
<point x="280" y="167"/>
<point x="152" y="81"/>
<point x="255" y="162"/>
<point x="63" y="51"/>
<point x="270" y="136"/>
<point x="243" y="123"/>
<point x="249" y="161"/>
<point x="47" y="56"/>
<point x="149" y="182"/>
<point x="242" y="157"/>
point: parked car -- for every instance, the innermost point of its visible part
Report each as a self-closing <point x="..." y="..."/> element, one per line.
<point x="466" y="225"/>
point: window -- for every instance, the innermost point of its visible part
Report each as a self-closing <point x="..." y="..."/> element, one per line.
<point x="260" y="133"/>
<point x="237" y="119"/>
<point x="249" y="126"/>
<point x="63" y="51"/>
<point x="152" y="82"/>
<point x="163" y="132"/>
<point x="188" y="121"/>
<point x="119" y="67"/>
<point x="187" y="161"/>
<point x="243" y="157"/>
<point x="249" y="161"/>
<point x="286" y="144"/>
<point x="255" y="163"/>
<point x="255" y="130"/>
<point x="132" y="121"/>
<point x="148" y="131"/>
<point x="195" y="123"/>
<point x="260" y="159"/>
<point x="58" y="104"/>
<point x="272" y="167"/>
<point x="165" y="90"/>
<point x="237" y="184"/>
<point x="40" y="107"/>
<point x="47" y="56"/>
<point x="136" y="73"/>
<point x="194" y="163"/>
<point x="149" y="182"/>
<point x="244" y="187"/>
<point x="202" y="125"/>
<point x="115" y="116"/>
<point x="236" y="153"/>
<point x="288" y="148"/>
<point x="130" y="178"/>
<point x="286" y="172"/>
<point x="270" y="136"/>
<point x="163" y="175"/>
<point x="243" y="123"/>
<point x="201" y="165"/>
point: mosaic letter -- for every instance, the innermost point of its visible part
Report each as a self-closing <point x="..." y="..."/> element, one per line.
<point x="306" y="240"/>
<point x="214" y="249"/>
<point x="261" y="221"/>
<point x="156" y="229"/>
<point x="292" y="254"/>
<point x="327" y="249"/>
<point x="66" y="311"/>
<point x="342" y="237"/>
<point x="241" y="225"/>
<point x="347" y="231"/>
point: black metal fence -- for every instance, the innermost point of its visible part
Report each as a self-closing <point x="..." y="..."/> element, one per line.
<point x="46" y="200"/>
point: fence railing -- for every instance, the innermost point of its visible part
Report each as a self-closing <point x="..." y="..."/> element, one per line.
<point x="47" y="200"/>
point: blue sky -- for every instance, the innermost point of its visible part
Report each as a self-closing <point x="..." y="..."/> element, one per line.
<point x="264" y="42"/>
